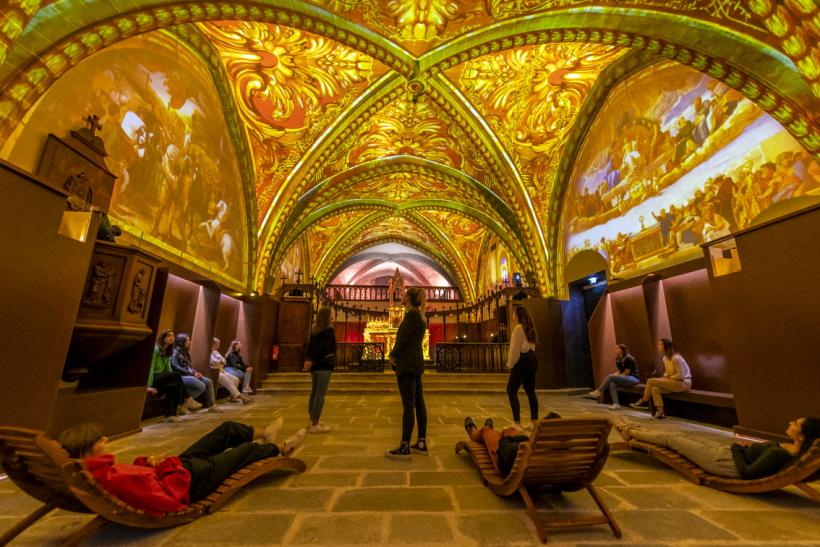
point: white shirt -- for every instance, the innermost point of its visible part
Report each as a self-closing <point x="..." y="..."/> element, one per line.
<point x="217" y="361"/>
<point x="518" y="345"/>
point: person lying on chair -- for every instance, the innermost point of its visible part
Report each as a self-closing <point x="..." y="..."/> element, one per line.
<point x="502" y="446"/>
<point x="745" y="460"/>
<point x="160" y="485"/>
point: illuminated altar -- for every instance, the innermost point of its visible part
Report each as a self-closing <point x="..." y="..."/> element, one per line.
<point x="381" y="331"/>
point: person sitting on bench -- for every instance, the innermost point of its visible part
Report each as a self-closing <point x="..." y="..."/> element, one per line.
<point x="228" y="381"/>
<point x="501" y="446"/>
<point x="745" y="460"/>
<point x="626" y="375"/>
<point x="676" y="379"/>
<point x="160" y="485"/>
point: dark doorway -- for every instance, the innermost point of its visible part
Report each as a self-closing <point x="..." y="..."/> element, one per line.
<point x="584" y="295"/>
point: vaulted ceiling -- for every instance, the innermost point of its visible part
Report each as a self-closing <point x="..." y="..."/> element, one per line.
<point x="435" y="124"/>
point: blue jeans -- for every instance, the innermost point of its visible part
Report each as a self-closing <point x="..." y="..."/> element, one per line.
<point x="612" y="382"/>
<point x="198" y="386"/>
<point x="320" y="381"/>
<point x="241" y="374"/>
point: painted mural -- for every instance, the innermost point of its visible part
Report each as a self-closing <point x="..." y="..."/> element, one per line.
<point x="289" y="86"/>
<point x="178" y="187"/>
<point x="674" y="159"/>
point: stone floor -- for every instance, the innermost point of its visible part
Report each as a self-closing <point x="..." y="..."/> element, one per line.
<point x="352" y="495"/>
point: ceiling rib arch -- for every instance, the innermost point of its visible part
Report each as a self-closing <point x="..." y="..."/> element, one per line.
<point x="440" y="259"/>
<point x="338" y="207"/>
<point x="445" y="252"/>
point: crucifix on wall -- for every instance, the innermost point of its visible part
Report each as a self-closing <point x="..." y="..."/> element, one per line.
<point x="298" y="275"/>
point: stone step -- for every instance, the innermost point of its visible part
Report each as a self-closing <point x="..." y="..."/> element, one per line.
<point x="376" y="383"/>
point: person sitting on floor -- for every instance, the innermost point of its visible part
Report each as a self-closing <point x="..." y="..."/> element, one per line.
<point x="160" y="485"/>
<point x="228" y="381"/>
<point x="165" y="382"/>
<point x="503" y="446"/>
<point x="626" y="375"/>
<point x="676" y="378"/>
<point x="194" y="381"/>
<point x="745" y="460"/>
<point x="237" y="367"/>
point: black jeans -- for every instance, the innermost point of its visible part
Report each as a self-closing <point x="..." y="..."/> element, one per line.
<point x="169" y="385"/>
<point x="412" y="402"/>
<point x="523" y="372"/>
<point x="220" y="454"/>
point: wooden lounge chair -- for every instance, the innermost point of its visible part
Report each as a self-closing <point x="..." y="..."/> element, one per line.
<point x="803" y="471"/>
<point x="42" y="468"/>
<point x="565" y="455"/>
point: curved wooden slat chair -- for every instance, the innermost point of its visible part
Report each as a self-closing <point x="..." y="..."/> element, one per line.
<point x="803" y="471"/>
<point x="565" y="454"/>
<point x="42" y="468"/>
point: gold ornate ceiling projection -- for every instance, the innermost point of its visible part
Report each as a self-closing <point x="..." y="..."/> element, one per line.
<point x="289" y="85"/>
<point x="530" y="98"/>
<point x="465" y="234"/>
<point x="322" y="235"/>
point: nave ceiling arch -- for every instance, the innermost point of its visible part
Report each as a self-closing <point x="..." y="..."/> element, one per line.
<point x="470" y="68"/>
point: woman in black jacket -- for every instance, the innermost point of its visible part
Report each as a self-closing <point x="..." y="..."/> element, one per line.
<point x="407" y="359"/>
<point x="320" y="360"/>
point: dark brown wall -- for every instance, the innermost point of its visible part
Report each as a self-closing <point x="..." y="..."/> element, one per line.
<point x="602" y="339"/>
<point x="41" y="283"/>
<point x="768" y="316"/>
<point x="180" y="305"/>
<point x="546" y="316"/>
<point x="226" y="319"/>
<point x="632" y="328"/>
<point x="695" y="331"/>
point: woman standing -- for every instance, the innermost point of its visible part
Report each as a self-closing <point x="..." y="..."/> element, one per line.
<point x="237" y="367"/>
<point x="228" y="381"/>
<point x="164" y="381"/>
<point x="522" y="364"/>
<point x="675" y="379"/>
<point x="407" y="359"/>
<point x="626" y="375"/>
<point x="194" y="381"/>
<point x="320" y="360"/>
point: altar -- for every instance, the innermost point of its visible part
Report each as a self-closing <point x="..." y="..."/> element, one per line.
<point x="384" y="332"/>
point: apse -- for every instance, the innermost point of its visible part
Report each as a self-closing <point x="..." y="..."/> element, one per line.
<point x="375" y="265"/>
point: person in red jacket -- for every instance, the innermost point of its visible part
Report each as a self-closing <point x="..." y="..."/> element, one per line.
<point x="160" y="485"/>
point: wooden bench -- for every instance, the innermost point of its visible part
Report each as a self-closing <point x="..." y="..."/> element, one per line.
<point x="564" y="455"/>
<point x="707" y="406"/>
<point x="41" y="468"/>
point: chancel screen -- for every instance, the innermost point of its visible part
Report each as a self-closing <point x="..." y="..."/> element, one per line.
<point x="674" y="159"/>
<point x="178" y="187"/>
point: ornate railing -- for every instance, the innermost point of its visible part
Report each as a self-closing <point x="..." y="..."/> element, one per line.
<point x="359" y="357"/>
<point x="380" y="293"/>
<point x="471" y="357"/>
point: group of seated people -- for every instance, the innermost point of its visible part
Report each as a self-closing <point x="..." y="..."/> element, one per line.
<point x="173" y="377"/>
<point x="677" y="378"/>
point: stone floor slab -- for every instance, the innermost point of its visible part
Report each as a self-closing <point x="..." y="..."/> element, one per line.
<point x="338" y="530"/>
<point x="670" y="526"/>
<point x="781" y="525"/>
<point x="394" y="499"/>
<point x="386" y="478"/>
<point x="420" y="528"/>
<point x="497" y="529"/>
<point x="233" y="529"/>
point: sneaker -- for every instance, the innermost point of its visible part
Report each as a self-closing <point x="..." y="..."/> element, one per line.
<point x="246" y="400"/>
<point x="488" y="423"/>
<point x="614" y="406"/>
<point x="400" y="453"/>
<point x="273" y="430"/>
<point x="293" y="442"/>
<point x="659" y="416"/>
<point x="182" y="411"/>
<point x="247" y="390"/>
<point x="318" y="428"/>
<point x="595" y="394"/>
<point x="469" y="425"/>
<point x="420" y="447"/>
<point x="238" y="400"/>
<point x="526" y="427"/>
<point x="641" y="405"/>
<point x="191" y="404"/>
<point x="172" y="419"/>
<point x="215" y="409"/>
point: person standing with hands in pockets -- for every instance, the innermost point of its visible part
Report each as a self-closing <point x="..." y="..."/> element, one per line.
<point x="320" y="360"/>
